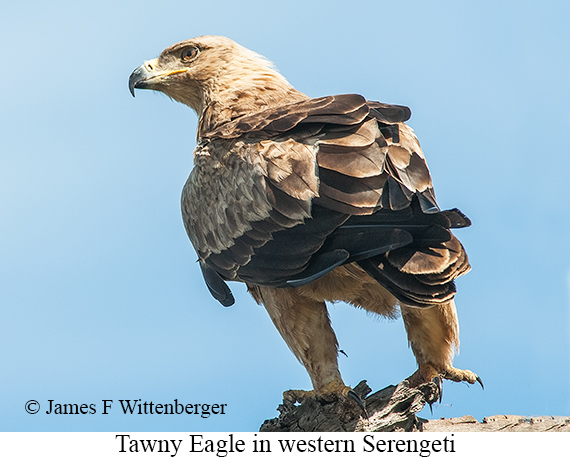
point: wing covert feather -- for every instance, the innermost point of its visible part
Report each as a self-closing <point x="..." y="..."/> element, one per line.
<point x="276" y="198"/>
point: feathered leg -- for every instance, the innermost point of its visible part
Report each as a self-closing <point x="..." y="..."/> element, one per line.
<point x="433" y="333"/>
<point x="305" y="326"/>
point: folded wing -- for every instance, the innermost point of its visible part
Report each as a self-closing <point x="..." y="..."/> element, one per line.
<point x="283" y="196"/>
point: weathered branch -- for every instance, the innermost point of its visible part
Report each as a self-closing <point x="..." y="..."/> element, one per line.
<point x="500" y="423"/>
<point x="390" y="409"/>
<point x="394" y="408"/>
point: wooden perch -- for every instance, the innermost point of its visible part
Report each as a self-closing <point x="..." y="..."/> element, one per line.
<point x="394" y="408"/>
<point x="500" y="423"/>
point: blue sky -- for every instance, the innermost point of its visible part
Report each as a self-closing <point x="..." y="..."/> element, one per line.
<point x="100" y="294"/>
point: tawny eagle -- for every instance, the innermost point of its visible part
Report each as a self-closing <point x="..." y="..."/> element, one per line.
<point x="312" y="200"/>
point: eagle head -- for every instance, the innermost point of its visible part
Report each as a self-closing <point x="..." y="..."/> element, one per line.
<point x="214" y="74"/>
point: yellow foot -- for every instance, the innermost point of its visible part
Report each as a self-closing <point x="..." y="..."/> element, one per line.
<point x="331" y="391"/>
<point x="427" y="373"/>
<point x="298" y="396"/>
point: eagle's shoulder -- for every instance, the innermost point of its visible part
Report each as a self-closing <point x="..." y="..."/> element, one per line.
<point x="345" y="109"/>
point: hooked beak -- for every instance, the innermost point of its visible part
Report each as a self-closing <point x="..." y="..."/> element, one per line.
<point x="139" y="78"/>
<point x="147" y="77"/>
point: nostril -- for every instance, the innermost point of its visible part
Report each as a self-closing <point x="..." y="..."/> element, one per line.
<point x="149" y="66"/>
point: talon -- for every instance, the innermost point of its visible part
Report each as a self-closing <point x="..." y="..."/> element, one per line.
<point x="480" y="382"/>
<point x="352" y="394"/>
<point x="439" y="383"/>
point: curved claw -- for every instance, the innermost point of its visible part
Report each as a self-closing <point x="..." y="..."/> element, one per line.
<point x="439" y="383"/>
<point x="480" y="382"/>
<point x="352" y="394"/>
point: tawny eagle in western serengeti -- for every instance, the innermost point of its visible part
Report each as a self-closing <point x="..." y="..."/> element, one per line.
<point x="312" y="200"/>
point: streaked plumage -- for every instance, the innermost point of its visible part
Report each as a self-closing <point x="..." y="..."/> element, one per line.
<point x="312" y="200"/>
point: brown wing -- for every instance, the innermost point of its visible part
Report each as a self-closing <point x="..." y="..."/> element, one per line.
<point x="283" y="196"/>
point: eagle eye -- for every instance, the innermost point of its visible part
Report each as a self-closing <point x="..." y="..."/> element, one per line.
<point x="189" y="54"/>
